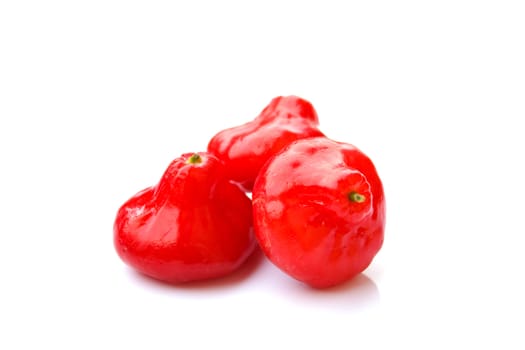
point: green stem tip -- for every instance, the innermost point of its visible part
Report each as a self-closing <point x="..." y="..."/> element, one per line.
<point x="356" y="197"/>
<point x="194" y="159"/>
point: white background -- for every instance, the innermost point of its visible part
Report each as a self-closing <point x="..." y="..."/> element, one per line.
<point x="97" y="97"/>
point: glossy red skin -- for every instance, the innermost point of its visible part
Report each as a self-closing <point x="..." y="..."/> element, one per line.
<point x="245" y="148"/>
<point x="193" y="225"/>
<point x="303" y="218"/>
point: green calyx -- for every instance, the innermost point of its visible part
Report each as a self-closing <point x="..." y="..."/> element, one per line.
<point x="194" y="159"/>
<point x="356" y="197"/>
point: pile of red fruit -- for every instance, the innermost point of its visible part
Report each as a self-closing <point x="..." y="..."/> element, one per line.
<point x="317" y="209"/>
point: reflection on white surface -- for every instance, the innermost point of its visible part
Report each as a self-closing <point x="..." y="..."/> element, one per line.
<point x="259" y="275"/>
<point x="359" y="294"/>
<point x="261" y="301"/>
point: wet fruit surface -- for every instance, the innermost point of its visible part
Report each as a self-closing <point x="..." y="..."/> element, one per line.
<point x="319" y="211"/>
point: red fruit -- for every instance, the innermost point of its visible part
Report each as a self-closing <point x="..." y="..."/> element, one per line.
<point x="319" y="211"/>
<point x="193" y="225"/>
<point x="245" y="148"/>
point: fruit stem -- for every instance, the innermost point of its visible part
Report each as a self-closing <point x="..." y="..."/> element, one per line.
<point x="356" y="197"/>
<point x="194" y="159"/>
